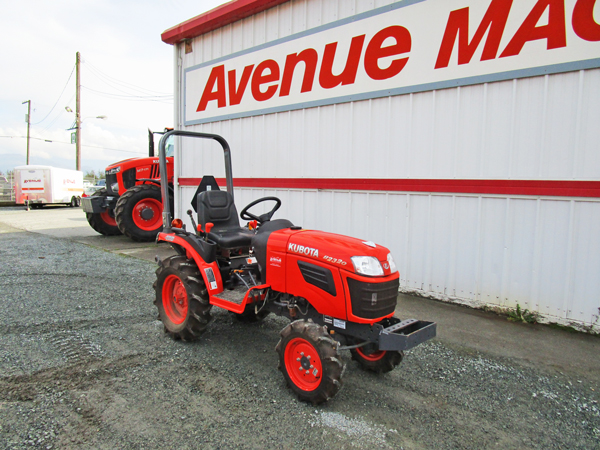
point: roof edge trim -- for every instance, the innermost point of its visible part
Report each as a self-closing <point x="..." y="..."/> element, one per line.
<point x="216" y="18"/>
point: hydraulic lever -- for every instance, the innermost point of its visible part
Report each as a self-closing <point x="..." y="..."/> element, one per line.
<point x="189" y="213"/>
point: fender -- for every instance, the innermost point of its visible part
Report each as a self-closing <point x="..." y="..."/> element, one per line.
<point x="194" y="250"/>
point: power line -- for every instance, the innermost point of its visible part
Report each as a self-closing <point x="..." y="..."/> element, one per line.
<point x="154" y="98"/>
<point x="58" y="99"/>
<point x="108" y="80"/>
<point x="83" y="145"/>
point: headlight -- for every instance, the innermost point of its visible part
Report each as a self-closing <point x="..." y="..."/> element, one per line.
<point x="114" y="187"/>
<point x="391" y="262"/>
<point x="367" y="265"/>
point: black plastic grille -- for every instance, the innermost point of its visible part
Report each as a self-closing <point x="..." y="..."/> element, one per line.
<point x="129" y="178"/>
<point x="110" y="180"/>
<point x="318" y="276"/>
<point x="373" y="300"/>
<point x="155" y="171"/>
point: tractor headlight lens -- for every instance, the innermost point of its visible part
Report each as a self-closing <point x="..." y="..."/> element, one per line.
<point x="114" y="187"/>
<point x="367" y="265"/>
<point x="392" y="263"/>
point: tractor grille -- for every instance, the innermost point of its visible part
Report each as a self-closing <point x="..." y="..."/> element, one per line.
<point x="129" y="178"/>
<point x="318" y="276"/>
<point x="110" y="180"/>
<point x="155" y="171"/>
<point x="373" y="300"/>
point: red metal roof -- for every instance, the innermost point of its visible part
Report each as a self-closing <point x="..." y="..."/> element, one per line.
<point x="220" y="16"/>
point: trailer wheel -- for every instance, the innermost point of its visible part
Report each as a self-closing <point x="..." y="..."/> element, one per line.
<point x="181" y="298"/>
<point x="73" y="203"/>
<point x="309" y="361"/>
<point x="104" y="223"/>
<point x="139" y="212"/>
<point x="379" y="361"/>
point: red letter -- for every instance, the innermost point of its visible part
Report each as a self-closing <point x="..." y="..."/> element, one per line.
<point x="584" y="24"/>
<point x="554" y="33"/>
<point x="327" y="79"/>
<point x="310" y="58"/>
<point x="375" y="51"/>
<point x="217" y="75"/>
<point x="458" y="26"/>
<point x="235" y="96"/>
<point x="258" y="78"/>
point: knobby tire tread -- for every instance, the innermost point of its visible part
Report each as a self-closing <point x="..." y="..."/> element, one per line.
<point x="198" y="316"/>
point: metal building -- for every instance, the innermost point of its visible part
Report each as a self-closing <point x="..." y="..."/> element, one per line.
<point x="461" y="134"/>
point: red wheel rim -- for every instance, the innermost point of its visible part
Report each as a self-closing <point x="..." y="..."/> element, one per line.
<point x="375" y="356"/>
<point x="303" y="364"/>
<point x="108" y="219"/>
<point x="152" y="210"/>
<point x="174" y="298"/>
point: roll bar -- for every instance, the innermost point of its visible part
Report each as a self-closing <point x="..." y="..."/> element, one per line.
<point x="164" y="182"/>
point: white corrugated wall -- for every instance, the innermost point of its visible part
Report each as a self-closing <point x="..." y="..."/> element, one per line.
<point x="540" y="253"/>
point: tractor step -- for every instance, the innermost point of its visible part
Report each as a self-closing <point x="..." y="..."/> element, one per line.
<point x="235" y="295"/>
<point x="235" y="300"/>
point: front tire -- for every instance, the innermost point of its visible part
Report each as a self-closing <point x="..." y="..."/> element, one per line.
<point x="378" y="361"/>
<point x="138" y="212"/>
<point x="309" y="361"/>
<point x="104" y="223"/>
<point x="181" y="298"/>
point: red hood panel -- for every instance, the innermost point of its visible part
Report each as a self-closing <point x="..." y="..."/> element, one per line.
<point x="333" y="248"/>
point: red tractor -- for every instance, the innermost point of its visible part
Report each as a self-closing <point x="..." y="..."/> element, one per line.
<point x="131" y="202"/>
<point x="339" y="292"/>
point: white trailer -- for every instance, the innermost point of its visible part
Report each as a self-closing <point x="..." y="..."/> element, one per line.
<point x="38" y="185"/>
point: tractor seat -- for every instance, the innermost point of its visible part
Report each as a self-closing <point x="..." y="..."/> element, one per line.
<point x="218" y="207"/>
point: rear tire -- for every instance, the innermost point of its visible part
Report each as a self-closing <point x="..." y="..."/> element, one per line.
<point x="104" y="223"/>
<point x="309" y="361"/>
<point x="181" y="298"/>
<point x="139" y="212"/>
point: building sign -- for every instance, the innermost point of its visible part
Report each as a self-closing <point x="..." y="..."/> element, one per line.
<point x="409" y="46"/>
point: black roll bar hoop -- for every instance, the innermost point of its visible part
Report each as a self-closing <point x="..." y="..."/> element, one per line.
<point x="164" y="182"/>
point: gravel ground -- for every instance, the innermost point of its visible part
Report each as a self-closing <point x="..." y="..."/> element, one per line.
<point x="85" y="364"/>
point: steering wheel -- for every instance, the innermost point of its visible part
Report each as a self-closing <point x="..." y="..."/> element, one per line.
<point x="245" y="215"/>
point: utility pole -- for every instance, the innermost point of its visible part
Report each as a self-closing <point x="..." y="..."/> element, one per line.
<point x="77" y="115"/>
<point x="28" y="124"/>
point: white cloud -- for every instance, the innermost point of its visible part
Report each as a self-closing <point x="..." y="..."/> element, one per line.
<point x="119" y="41"/>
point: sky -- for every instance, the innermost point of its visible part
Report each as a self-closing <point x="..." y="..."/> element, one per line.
<point x="126" y="75"/>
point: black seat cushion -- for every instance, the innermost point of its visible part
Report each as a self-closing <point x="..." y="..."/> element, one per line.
<point x="218" y="208"/>
<point x="242" y="237"/>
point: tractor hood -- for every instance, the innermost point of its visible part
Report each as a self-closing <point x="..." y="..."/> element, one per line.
<point x="119" y="163"/>
<point x="335" y="249"/>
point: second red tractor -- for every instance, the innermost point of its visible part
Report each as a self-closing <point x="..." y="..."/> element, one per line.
<point x="131" y="202"/>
